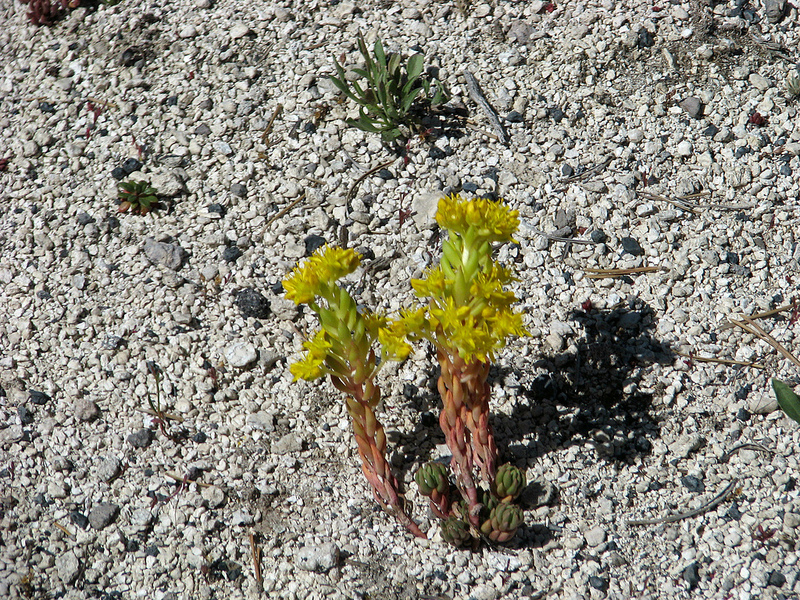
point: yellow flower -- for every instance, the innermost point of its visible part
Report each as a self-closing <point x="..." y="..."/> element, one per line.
<point x="319" y="272"/>
<point x="490" y="220"/>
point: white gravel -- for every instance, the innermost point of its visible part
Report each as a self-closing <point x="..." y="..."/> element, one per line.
<point x="613" y="111"/>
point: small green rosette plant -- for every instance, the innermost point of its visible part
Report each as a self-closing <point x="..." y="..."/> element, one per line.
<point x="391" y="97"/>
<point x="467" y="315"/>
<point x="343" y="349"/>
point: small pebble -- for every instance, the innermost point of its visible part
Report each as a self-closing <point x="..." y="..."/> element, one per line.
<point x="141" y="438"/>
<point x="102" y="515"/>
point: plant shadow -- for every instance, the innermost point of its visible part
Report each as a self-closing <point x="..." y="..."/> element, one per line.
<point x="588" y="394"/>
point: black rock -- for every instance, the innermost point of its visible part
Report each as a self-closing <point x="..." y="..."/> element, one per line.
<point x="645" y="40"/>
<point x="309" y="127"/>
<point x="24" y="414"/>
<point x="200" y="437"/>
<point x="43" y="295"/>
<point x="131" y="165"/>
<point x="598" y="583"/>
<point x="216" y="208"/>
<point x="172" y="101"/>
<point x="131" y="546"/>
<point x="39" y="398"/>
<point x="470" y="187"/>
<point x="631" y="246"/>
<point x="202" y="129"/>
<point x="597" y="236"/>
<point x="41" y="500"/>
<point x="790" y="485"/>
<point x="643" y="445"/>
<point x="151" y="550"/>
<point x="741" y="151"/>
<point x="80" y="519"/>
<point x="385" y="174"/>
<point x="514" y="117"/>
<point x="711" y="131"/>
<point x="429" y="419"/>
<point x="691" y="575"/>
<point x="785" y="169"/>
<point x="231" y="254"/>
<point x="251" y="303"/>
<point x="693" y="484"/>
<point x="237" y="189"/>
<point x="46" y="107"/>
<point x="557" y="115"/>
<point x="141" y="438"/>
<point x="743" y="414"/>
<point x="129" y="56"/>
<point x="567" y="170"/>
<point x="776" y="578"/>
<point x="84" y="218"/>
<point x="313" y="242"/>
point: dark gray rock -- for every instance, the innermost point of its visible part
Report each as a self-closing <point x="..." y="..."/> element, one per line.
<point x="776" y="578"/>
<point x="25" y="415"/>
<point x="631" y="246"/>
<point x="693" y="107"/>
<point x="231" y="254"/>
<point x="39" y="398"/>
<point x="313" y="243"/>
<point x="775" y="10"/>
<point x="102" y="515"/>
<point x="251" y="303"/>
<point x="237" y="189"/>
<point x="691" y="575"/>
<point x="598" y="583"/>
<point x="141" y="438"/>
<point x="161" y="253"/>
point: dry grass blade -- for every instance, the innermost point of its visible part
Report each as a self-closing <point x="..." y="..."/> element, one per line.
<point x="588" y="172"/>
<point x="750" y="326"/>
<point x="352" y="191"/>
<point x="161" y="415"/>
<point x="678" y="202"/>
<point x="268" y="128"/>
<point x="566" y="240"/>
<point x="606" y="273"/>
<point x="692" y="513"/>
<point x="256" y="557"/>
<point x="721" y="361"/>
<point x="286" y="209"/>
<point x="764" y="315"/>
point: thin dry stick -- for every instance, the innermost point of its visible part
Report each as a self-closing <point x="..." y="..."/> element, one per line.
<point x="286" y="209"/>
<point x="722" y="361"/>
<point x="672" y="519"/>
<point x="764" y="315"/>
<point x="605" y="273"/>
<point x="268" y="128"/>
<point x="566" y="240"/>
<point x="679" y="203"/>
<point x="751" y="326"/>
<point x="352" y="191"/>
<point x="64" y="529"/>
<point x="256" y="557"/>
<point x="589" y="172"/>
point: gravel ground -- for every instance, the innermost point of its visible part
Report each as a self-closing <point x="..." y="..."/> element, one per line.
<point x="658" y="136"/>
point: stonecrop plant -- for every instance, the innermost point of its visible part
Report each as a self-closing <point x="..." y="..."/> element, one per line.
<point x="467" y="316"/>
<point x="137" y="196"/>
<point x="392" y="100"/>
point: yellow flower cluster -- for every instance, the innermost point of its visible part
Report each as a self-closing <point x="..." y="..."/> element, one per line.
<point x="490" y="220"/>
<point x="469" y="312"/>
<point x="314" y="277"/>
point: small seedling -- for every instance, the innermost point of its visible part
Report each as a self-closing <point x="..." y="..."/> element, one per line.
<point x="394" y="99"/>
<point x="138" y="197"/>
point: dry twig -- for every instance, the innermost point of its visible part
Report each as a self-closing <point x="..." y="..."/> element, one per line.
<point x="722" y="361"/>
<point x="606" y="273"/>
<point x="717" y="500"/>
<point x="286" y="209"/>
<point x="750" y="326"/>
